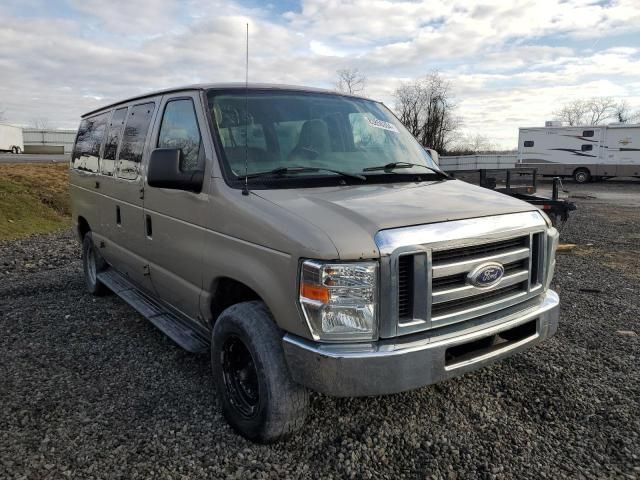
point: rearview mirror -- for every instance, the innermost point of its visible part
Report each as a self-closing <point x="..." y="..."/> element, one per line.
<point x="164" y="171"/>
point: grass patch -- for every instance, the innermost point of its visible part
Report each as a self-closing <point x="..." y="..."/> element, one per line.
<point x="34" y="198"/>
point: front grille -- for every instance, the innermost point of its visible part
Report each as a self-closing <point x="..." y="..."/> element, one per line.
<point x="453" y="299"/>
<point x="460" y="279"/>
<point x="475" y="300"/>
<point x="405" y="286"/>
<point x="486" y="249"/>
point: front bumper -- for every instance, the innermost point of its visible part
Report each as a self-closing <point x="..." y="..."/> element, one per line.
<point x="412" y="361"/>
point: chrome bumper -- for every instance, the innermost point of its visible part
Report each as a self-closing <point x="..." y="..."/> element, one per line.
<point x="412" y="361"/>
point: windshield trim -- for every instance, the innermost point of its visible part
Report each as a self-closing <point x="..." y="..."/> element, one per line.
<point x="238" y="182"/>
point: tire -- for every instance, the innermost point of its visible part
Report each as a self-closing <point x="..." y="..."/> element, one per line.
<point x="14" y="150"/>
<point x="581" y="175"/>
<point x="259" y="399"/>
<point x="92" y="264"/>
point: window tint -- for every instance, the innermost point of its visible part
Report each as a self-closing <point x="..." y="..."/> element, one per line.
<point x="587" y="133"/>
<point x="86" y="152"/>
<point x="179" y="129"/>
<point x="587" y="148"/>
<point x="135" y="133"/>
<point x="108" y="162"/>
<point x="528" y="143"/>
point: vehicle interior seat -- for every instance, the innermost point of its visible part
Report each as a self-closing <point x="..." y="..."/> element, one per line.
<point x="314" y="139"/>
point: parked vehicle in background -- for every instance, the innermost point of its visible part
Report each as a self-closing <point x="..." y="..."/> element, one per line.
<point x="11" y="139"/>
<point x="306" y="240"/>
<point x="584" y="153"/>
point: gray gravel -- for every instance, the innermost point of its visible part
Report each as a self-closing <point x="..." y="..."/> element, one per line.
<point x="89" y="389"/>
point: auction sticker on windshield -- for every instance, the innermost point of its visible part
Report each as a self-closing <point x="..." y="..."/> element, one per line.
<point x="374" y="122"/>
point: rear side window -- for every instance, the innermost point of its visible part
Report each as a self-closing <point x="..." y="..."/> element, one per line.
<point x="587" y="148"/>
<point x="86" y="152"/>
<point x="179" y="129"/>
<point x="528" y="143"/>
<point x="135" y="133"/>
<point x="114" y="132"/>
<point x="587" y="133"/>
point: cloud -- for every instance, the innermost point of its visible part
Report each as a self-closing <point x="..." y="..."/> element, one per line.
<point x="505" y="61"/>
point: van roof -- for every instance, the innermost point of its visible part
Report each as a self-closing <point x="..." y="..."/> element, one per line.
<point x="222" y="86"/>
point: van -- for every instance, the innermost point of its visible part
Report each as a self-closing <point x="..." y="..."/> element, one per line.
<point x="306" y="241"/>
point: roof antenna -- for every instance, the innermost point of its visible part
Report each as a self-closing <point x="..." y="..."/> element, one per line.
<point x="245" y="190"/>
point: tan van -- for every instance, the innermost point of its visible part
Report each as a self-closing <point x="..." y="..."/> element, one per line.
<point x="307" y="241"/>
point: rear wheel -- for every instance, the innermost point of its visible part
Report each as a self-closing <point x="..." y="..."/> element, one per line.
<point x="581" y="175"/>
<point x="92" y="264"/>
<point x="258" y="397"/>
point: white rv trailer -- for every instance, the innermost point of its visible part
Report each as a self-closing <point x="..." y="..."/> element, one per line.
<point x="584" y="153"/>
<point x="11" y="139"/>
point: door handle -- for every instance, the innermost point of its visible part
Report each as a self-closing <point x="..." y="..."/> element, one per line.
<point x="97" y="184"/>
<point x="149" y="226"/>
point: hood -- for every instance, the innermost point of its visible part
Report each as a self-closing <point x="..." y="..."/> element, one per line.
<point x="352" y="215"/>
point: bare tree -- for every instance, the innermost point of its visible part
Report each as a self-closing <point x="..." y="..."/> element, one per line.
<point x="601" y="109"/>
<point x="426" y="108"/>
<point x="471" y="144"/>
<point x="477" y="143"/>
<point x="624" y="113"/>
<point x="572" y="113"/>
<point x="592" y="111"/>
<point x="351" y="80"/>
<point x="40" y="123"/>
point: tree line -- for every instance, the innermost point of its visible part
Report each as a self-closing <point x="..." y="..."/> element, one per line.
<point x="428" y="109"/>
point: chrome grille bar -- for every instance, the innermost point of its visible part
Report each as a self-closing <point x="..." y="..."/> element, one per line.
<point x="509" y="256"/>
<point x="449" y="294"/>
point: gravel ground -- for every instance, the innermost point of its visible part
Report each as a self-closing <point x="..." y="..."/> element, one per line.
<point x="89" y="389"/>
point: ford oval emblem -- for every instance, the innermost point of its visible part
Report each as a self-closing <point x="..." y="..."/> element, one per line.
<point x="486" y="275"/>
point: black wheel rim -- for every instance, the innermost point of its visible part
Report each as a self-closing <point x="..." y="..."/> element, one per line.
<point x="240" y="376"/>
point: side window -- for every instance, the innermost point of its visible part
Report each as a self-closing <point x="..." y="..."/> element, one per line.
<point x="108" y="162"/>
<point x="135" y="133"/>
<point x="587" y="133"/>
<point x="528" y="143"/>
<point x="179" y="129"/>
<point x="86" y="152"/>
<point x="587" y="148"/>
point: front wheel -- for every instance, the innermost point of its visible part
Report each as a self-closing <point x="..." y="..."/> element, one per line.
<point x="259" y="398"/>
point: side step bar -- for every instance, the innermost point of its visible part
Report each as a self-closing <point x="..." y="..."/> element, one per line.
<point x="184" y="332"/>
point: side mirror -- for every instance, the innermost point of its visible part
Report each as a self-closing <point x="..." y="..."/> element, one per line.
<point x="434" y="155"/>
<point x="164" y="171"/>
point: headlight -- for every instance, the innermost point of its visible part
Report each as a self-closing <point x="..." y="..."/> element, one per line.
<point x="339" y="299"/>
<point x="552" y="244"/>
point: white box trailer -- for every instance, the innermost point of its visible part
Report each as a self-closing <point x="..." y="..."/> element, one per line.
<point x="584" y="153"/>
<point x="11" y="139"/>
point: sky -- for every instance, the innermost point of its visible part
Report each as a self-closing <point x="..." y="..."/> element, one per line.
<point x="510" y="63"/>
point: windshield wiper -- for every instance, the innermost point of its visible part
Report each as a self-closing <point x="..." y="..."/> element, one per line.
<point x="289" y="170"/>
<point x="393" y="165"/>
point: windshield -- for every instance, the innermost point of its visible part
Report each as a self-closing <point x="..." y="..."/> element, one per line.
<point x="285" y="130"/>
